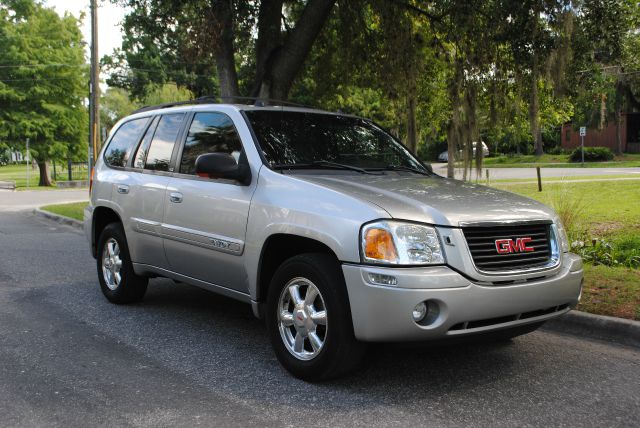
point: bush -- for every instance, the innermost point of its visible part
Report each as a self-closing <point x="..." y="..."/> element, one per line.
<point x="591" y="154"/>
<point x="606" y="253"/>
<point x="556" y="151"/>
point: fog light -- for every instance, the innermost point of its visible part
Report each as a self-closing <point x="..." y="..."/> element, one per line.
<point x="380" y="279"/>
<point x="419" y="312"/>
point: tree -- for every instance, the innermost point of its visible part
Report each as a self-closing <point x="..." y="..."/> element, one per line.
<point x="42" y="81"/>
<point x="117" y="103"/>
<point x="167" y="40"/>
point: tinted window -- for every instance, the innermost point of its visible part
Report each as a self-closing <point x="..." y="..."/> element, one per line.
<point x="141" y="154"/>
<point x="288" y="138"/>
<point x="209" y="133"/>
<point x="123" y="142"/>
<point x="164" y="139"/>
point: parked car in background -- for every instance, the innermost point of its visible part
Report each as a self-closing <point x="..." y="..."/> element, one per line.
<point x="331" y="230"/>
<point x="444" y="156"/>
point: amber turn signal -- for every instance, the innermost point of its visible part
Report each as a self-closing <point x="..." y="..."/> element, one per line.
<point x="379" y="245"/>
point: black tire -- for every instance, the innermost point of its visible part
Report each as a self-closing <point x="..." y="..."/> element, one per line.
<point x="131" y="287"/>
<point x="341" y="352"/>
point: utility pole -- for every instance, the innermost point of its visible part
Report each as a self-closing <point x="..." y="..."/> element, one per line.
<point x="94" y="95"/>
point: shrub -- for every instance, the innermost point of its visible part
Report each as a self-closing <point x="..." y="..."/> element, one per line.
<point x="624" y="252"/>
<point x="591" y="154"/>
<point x="557" y="150"/>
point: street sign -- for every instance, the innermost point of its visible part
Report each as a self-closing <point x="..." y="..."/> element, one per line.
<point x="583" y="131"/>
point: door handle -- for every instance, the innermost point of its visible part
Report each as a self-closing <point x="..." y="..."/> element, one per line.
<point x="175" y="197"/>
<point x="123" y="189"/>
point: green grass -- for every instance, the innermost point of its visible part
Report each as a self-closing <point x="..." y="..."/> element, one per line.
<point x="558" y="161"/>
<point x="18" y="173"/>
<point x="74" y="210"/>
<point x="612" y="291"/>
<point x="608" y="210"/>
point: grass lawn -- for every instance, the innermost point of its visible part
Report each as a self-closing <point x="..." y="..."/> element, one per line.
<point x="611" y="291"/>
<point x="74" y="210"/>
<point x="18" y="173"/>
<point x="558" y="161"/>
<point x="607" y="209"/>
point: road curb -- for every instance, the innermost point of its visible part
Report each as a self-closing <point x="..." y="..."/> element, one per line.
<point x="619" y="330"/>
<point x="59" y="218"/>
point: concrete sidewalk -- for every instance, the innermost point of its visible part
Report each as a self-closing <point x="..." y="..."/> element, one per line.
<point x="29" y="199"/>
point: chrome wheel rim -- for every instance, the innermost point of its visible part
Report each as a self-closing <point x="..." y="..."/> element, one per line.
<point x="111" y="264"/>
<point x="302" y="319"/>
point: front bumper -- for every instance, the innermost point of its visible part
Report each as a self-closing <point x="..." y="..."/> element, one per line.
<point x="462" y="307"/>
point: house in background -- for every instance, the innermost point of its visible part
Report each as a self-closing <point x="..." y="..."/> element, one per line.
<point x="629" y="133"/>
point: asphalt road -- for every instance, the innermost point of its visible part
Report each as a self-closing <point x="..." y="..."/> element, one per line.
<point x="185" y="357"/>
<point x="24" y="199"/>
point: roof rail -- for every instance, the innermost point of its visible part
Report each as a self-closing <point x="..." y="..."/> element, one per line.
<point x="257" y="101"/>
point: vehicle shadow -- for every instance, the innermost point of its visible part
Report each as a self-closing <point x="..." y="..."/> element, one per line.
<point x="230" y="328"/>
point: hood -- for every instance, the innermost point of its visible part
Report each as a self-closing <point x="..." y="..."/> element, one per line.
<point x="434" y="200"/>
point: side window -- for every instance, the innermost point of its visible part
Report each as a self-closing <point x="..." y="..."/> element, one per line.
<point x="141" y="154"/>
<point x="209" y="133"/>
<point x="123" y="142"/>
<point x="159" y="155"/>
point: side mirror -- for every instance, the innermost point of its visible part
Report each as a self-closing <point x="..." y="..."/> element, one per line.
<point x="428" y="166"/>
<point x="222" y="165"/>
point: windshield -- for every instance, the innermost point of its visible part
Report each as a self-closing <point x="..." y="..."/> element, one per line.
<point x="295" y="138"/>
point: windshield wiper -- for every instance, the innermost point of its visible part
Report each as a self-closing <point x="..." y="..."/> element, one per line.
<point x="405" y="168"/>
<point x="320" y="164"/>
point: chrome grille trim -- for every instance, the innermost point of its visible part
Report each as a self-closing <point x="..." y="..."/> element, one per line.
<point x="480" y="241"/>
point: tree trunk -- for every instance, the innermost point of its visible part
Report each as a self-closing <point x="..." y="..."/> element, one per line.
<point x="618" y="120"/>
<point x="534" y="116"/>
<point x="45" y="178"/>
<point x="222" y="28"/>
<point x="412" y="127"/>
<point x="453" y="128"/>
<point x="269" y="38"/>
<point x="534" y="104"/>
<point x="286" y="63"/>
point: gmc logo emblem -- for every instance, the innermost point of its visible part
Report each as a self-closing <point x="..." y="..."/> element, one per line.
<point x="508" y="246"/>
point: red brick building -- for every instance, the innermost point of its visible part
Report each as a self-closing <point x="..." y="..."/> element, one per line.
<point x="630" y="134"/>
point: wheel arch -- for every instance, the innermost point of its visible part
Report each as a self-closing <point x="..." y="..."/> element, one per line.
<point x="276" y="249"/>
<point x="102" y="216"/>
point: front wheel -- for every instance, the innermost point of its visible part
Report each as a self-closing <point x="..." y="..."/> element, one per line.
<point x="309" y="319"/>
<point x="118" y="281"/>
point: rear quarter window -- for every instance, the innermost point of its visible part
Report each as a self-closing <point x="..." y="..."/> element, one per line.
<point x="123" y="142"/>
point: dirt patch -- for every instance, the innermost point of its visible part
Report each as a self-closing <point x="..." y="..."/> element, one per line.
<point x="606" y="228"/>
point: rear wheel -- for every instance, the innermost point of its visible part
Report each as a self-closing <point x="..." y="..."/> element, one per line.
<point x="118" y="281"/>
<point x="309" y="319"/>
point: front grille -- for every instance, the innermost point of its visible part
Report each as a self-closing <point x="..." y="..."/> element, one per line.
<point x="482" y="245"/>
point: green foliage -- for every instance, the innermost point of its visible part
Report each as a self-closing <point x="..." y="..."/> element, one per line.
<point x="625" y="252"/>
<point x="42" y="81"/>
<point x="117" y="103"/>
<point x="591" y="154"/>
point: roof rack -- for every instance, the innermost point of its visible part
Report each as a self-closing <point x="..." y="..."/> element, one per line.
<point x="256" y="101"/>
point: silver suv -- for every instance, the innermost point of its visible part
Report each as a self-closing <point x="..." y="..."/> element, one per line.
<point x="326" y="225"/>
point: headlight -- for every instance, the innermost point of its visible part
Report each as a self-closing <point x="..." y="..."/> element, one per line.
<point x="562" y="235"/>
<point x="399" y="243"/>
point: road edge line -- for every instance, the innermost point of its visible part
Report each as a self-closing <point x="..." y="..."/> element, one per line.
<point x="59" y="218"/>
<point x="601" y="327"/>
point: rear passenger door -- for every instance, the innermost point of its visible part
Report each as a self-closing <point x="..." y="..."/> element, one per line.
<point x="142" y="195"/>
<point x="205" y="218"/>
